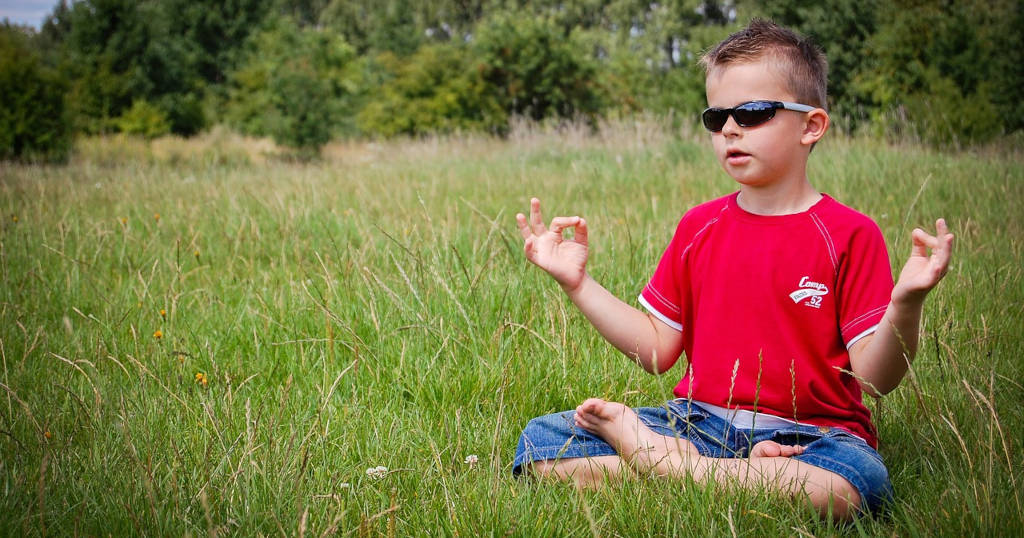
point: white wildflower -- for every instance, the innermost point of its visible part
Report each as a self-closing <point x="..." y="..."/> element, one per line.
<point x="377" y="472"/>
<point x="471" y="460"/>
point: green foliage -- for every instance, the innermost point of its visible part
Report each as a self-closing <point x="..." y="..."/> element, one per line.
<point x="294" y="85"/>
<point x="928" y="61"/>
<point x="940" y="113"/>
<point x="33" y="122"/>
<point x="166" y="52"/>
<point x="937" y="70"/>
<point x="535" y="69"/>
<point x="637" y="78"/>
<point x="402" y="26"/>
<point x="143" y="119"/>
<point x="414" y="67"/>
<point x="437" y="89"/>
<point x="104" y="40"/>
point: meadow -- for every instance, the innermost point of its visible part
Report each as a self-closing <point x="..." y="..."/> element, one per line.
<point x="205" y="337"/>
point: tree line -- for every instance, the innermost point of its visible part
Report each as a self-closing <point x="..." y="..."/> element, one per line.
<point x="307" y="71"/>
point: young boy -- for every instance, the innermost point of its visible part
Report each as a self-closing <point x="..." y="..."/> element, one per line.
<point x="781" y="298"/>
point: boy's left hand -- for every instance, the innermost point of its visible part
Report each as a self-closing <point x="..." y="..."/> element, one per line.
<point x="923" y="271"/>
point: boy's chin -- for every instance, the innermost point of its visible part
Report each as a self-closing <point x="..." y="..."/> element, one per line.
<point x="744" y="176"/>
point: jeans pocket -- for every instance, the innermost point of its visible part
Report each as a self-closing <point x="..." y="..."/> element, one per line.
<point x="797" y="436"/>
<point x="685" y="411"/>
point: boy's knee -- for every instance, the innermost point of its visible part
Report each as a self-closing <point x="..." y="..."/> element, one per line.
<point x="541" y="468"/>
<point x="840" y="500"/>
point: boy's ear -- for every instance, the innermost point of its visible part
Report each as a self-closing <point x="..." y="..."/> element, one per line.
<point x="815" y="124"/>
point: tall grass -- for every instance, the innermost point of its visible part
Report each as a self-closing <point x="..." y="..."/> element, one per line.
<point x="374" y="309"/>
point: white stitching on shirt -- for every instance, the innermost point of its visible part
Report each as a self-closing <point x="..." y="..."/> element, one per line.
<point x="861" y="317"/>
<point x="662" y="299"/>
<point x="657" y="294"/>
<point x="823" y="230"/>
<point x="699" y="232"/>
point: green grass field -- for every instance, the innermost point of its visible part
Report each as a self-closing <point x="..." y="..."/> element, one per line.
<point x="200" y="339"/>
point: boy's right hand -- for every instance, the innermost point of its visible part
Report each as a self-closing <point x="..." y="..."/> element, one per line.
<point x="564" y="259"/>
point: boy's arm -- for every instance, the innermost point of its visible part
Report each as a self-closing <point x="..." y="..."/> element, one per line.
<point x="644" y="338"/>
<point x="881" y="360"/>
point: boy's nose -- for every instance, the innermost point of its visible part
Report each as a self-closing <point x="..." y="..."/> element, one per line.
<point x="731" y="128"/>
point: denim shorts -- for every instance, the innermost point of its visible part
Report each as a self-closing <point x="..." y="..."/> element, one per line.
<point x="556" y="436"/>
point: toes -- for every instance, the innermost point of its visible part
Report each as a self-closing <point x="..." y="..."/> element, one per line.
<point x="592" y="406"/>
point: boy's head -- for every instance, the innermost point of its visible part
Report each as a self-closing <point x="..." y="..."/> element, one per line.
<point x="798" y="61"/>
<point x="766" y="98"/>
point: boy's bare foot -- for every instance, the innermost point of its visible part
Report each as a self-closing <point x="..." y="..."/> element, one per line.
<point x="620" y="426"/>
<point x="613" y="422"/>
<point x="771" y="449"/>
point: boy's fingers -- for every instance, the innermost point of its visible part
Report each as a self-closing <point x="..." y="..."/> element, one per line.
<point x="942" y="253"/>
<point x="536" y="220"/>
<point x="944" y="240"/>
<point x="561" y="223"/>
<point x="524" y="229"/>
<point x="581" y="233"/>
<point x="922" y="241"/>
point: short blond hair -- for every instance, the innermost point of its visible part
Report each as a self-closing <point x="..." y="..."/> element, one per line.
<point x="801" y="62"/>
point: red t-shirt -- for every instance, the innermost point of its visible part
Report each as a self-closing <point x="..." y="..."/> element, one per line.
<point x="775" y="301"/>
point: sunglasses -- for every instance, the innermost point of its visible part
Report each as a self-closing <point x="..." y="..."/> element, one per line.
<point x="747" y="114"/>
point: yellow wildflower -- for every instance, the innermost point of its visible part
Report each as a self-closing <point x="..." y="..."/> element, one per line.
<point x="158" y="334"/>
<point x="47" y="434"/>
<point x="201" y="378"/>
<point x="163" y="313"/>
<point x="156" y="216"/>
<point x="14" y="218"/>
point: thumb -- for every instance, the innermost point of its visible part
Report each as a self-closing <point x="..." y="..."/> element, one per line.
<point x="528" y="246"/>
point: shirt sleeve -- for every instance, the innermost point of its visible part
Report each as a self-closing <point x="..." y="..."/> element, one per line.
<point x="663" y="294"/>
<point x="865" y="284"/>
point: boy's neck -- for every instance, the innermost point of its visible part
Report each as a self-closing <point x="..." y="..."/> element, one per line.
<point x="779" y="199"/>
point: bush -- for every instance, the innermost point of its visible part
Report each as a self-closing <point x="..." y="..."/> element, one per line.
<point x="943" y="115"/>
<point x="184" y="112"/>
<point x="33" y="122"/>
<point x="930" y="61"/>
<point x="434" y="90"/>
<point x="294" y="86"/>
<point x="535" y="69"/>
<point x="143" y="119"/>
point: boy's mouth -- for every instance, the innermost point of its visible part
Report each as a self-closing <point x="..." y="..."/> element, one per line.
<point x="736" y="156"/>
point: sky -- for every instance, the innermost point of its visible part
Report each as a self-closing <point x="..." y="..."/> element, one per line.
<point x="30" y="12"/>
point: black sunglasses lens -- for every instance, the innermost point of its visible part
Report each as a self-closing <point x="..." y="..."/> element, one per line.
<point x="714" y="119"/>
<point x="751" y="114"/>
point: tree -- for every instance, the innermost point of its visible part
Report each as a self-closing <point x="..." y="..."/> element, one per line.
<point x="437" y="89"/>
<point x="535" y="70"/>
<point x="293" y="85"/>
<point x="33" y="122"/>
<point x="930" y="63"/>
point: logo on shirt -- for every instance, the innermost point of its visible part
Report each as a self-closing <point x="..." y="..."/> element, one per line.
<point x="810" y="292"/>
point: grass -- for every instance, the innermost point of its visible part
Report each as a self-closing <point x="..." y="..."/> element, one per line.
<point x="375" y="309"/>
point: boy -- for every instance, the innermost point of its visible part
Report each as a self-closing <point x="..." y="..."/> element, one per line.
<point x="781" y="298"/>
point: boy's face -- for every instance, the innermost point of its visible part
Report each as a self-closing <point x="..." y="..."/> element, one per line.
<point x="767" y="155"/>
